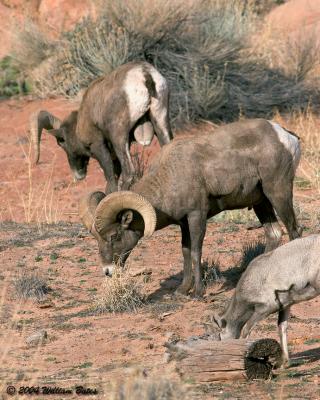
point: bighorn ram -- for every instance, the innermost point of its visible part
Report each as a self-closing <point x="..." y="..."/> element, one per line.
<point x="131" y="101"/>
<point x="244" y="164"/>
<point x="272" y="283"/>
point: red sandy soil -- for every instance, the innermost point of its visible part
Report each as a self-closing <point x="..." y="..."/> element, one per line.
<point x="98" y="350"/>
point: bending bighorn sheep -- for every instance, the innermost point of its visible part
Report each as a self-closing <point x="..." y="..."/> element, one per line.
<point x="244" y="164"/>
<point x="132" y="99"/>
<point x="272" y="283"/>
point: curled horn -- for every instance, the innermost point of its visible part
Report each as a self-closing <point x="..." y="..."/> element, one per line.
<point x="111" y="205"/>
<point x="38" y="121"/>
<point x="87" y="208"/>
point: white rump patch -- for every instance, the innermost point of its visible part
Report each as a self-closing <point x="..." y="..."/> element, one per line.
<point x="138" y="97"/>
<point x="290" y="142"/>
<point x="160" y="82"/>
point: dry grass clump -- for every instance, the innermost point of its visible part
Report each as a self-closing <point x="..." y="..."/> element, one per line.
<point x="150" y="389"/>
<point x="120" y="293"/>
<point x="297" y="55"/>
<point x="211" y="271"/>
<point x="31" y="286"/>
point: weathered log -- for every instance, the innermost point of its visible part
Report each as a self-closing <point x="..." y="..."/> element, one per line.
<point x="204" y="359"/>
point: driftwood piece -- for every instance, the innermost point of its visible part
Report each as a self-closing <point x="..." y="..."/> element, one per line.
<point x="207" y="360"/>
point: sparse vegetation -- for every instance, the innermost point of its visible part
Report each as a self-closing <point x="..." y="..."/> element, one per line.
<point x="119" y="293"/>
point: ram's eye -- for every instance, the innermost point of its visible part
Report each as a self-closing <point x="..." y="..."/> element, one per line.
<point x="113" y="237"/>
<point x="61" y="140"/>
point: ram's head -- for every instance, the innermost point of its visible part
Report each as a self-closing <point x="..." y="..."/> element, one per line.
<point x="65" y="134"/>
<point x="117" y="221"/>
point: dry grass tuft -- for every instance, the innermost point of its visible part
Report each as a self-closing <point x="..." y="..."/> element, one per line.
<point x="31" y="286"/>
<point x="39" y="200"/>
<point x="120" y="293"/>
<point x="150" y="389"/>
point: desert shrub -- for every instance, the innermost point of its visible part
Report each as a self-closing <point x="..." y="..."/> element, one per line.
<point x="9" y="78"/>
<point x="31" y="286"/>
<point x="202" y="48"/>
<point x="119" y="293"/>
<point x="249" y="252"/>
<point x="150" y="389"/>
<point x="31" y="45"/>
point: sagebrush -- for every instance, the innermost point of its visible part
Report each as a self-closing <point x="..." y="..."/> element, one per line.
<point x="203" y="48"/>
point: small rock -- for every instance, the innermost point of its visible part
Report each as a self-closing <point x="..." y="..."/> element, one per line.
<point x="166" y="357"/>
<point x="172" y="337"/>
<point x="45" y="304"/>
<point x="142" y="271"/>
<point x="164" y="315"/>
<point x="37" y="338"/>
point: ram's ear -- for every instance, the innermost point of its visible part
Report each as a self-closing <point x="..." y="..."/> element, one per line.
<point x="126" y="219"/>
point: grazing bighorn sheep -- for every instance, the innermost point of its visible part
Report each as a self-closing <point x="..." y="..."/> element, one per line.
<point x="249" y="163"/>
<point x="272" y="283"/>
<point x="131" y="101"/>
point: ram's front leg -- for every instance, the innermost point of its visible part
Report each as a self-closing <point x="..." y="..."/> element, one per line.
<point x="197" y="229"/>
<point x="100" y="152"/>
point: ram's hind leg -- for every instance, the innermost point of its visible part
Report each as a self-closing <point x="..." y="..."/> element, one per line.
<point x="159" y="116"/>
<point x="188" y="280"/>
<point x="122" y="150"/>
<point x="197" y="227"/>
<point x="280" y="196"/>
<point x="283" y="328"/>
<point x="268" y="219"/>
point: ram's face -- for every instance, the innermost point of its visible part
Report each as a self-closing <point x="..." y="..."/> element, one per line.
<point x="67" y="139"/>
<point x="115" y="245"/>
